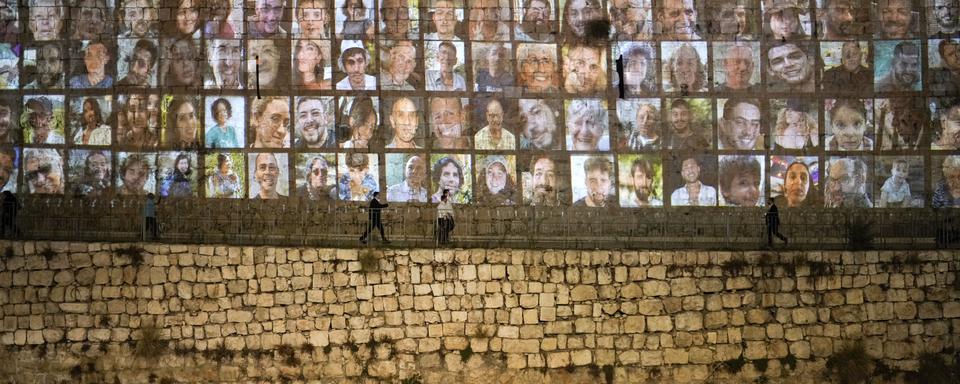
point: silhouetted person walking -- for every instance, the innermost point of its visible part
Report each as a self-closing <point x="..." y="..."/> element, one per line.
<point x="375" y="208"/>
<point x="444" y="218"/>
<point x="150" y="217"/>
<point x="8" y="227"/>
<point x="773" y="224"/>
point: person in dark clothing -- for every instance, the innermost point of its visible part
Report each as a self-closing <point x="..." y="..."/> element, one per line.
<point x="8" y="227"/>
<point x="773" y="224"/>
<point x="375" y="208"/>
<point x="150" y="217"/>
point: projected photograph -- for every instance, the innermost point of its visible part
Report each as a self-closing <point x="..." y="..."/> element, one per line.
<point x="269" y="178"/>
<point x="358" y="176"/>
<point x="88" y="120"/>
<point x="407" y="180"/>
<point x="90" y="173"/>
<point x="795" y="181"/>
<point x="177" y="173"/>
<point x="641" y="181"/>
<point x="224" y="172"/>
<point x="316" y="176"/>
<point x="10" y="168"/>
<point x="136" y="173"/>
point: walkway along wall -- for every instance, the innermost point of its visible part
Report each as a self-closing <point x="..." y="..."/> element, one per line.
<point x="94" y="312"/>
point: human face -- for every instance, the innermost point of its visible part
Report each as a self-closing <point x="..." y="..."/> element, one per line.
<point x="686" y="67"/>
<point x="647" y="120"/>
<point x="312" y="122"/>
<point x="96" y="57"/>
<point x="450" y="178"/>
<point x="493" y="57"/>
<point x="183" y="165"/>
<point x="784" y="23"/>
<point x="843" y="176"/>
<point x="43" y="175"/>
<point x="738" y="67"/>
<point x="137" y="113"/>
<point x="952" y="175"/>
<point x="272" y="124"/>
<point x="579" y="14"/>
<point x="135" y="176"/>
<point x="362" y="130"/>
<point x="583" y="69"/>
<point x="227" y="61"/>
<point x="396" y="17"/>
<point x="679" y="18"/>
<point x="415" y="171"/>
<point x="631" y="16"/>
<point x="187" y="17"/>
<point x="598" y="186"/>
<point x="447" y="58"/>
<point x="947" y="13"/>
<point x="744" y="190"/>
<point x="586" y="131"/>
<point x="743" y="128"/>
<point x="226" y="166"/>
<point x="45" y="20"/>
<point x="187" y="122"/>
<point x="268" y="16"/>
<point x="40" y="121"/>
<point x="5" y="114"/>
<point x="895" y="18"/>
<point x="900" y="170"/>
<point x="851" y="56"/>
<point x="635" y="71"/>
<point x="538" y="124"/>
<point x="318" y="174"/>
<point x="484" y="16"/>
<point x="312" y="19"/>
<point x="796" y="184"/>
<point x="267" y="172"/>
<point x="8" y="10"/>
<point x="848" y="128"/>
<point x="950" y="128"/>
<point x="680" y="117"/>
<point x="444" y="18"/>
<point x="446" y="118"/>
<point x="355" y="64"/>
<point x="403" y="119"/>
<point x="139" y="17"/>
<point x="90" y="23"/>
<point x="537" y="14"/>
<point x="731" y="18"/>
<point x="308" y="56"/>
<point x="537" y="70"/>
<point x="355" y="10"/>
<point x="906" y="69"/>
<point x="789" y="64"/>
<point x="642" y="184"/>
<point x="545" y="175"/>
<point x="49" y="64"/>
<point x="402" y="61"/>
<point x="690" y="171"/>
<point x="839" y="19"/>
<point x="139" y="67"/>
<point x="796" y="127"/>
<point x="496" y="176"/>
<point x="89" y="114"/>
<point x="6" y="169"/>
<point x="494" y="115"/>
<point x="951" y="55"/>
<point x="183" y="65"/>
<point x="269" y="60"/>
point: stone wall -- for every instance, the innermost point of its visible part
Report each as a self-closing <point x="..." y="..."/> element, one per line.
<point x="84" y="312"/>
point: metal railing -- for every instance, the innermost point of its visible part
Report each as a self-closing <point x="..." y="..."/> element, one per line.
<point x="304" y="223"/>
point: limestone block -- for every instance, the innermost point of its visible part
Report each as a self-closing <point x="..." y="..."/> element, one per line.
<point x="804" y="315"/>
<point x="650" y="307"/>
<point x="98" y="335"/>
<point x="905" y="310"/>
<point x="659" y="324"/>
<point x="689" y="321"/>
<point x="716" y="319"/>
<point x="651" y="358"/>
<point x="675" y="356"/>
<point x="581" y="357"/>
<point x="634" y="324"/>
<point x="558" y="359"/>
<point x="384" y="290"/>
<point x="800" y="349"/>
<point x="700" y="355"/>
<point x="239" y="316"/>
<point x="653" y="288"/>
<point x="521" y="346"/>
<point x="683" y="286"/>
<point x="631" y="291"/>
<point x="821" y="346"/>
<point x="951" y="309"/>
<point x="428" y="345"/>
<point x="710" y="285"/>
<point x="930" y="310"/>
<point x="583" y="293"/>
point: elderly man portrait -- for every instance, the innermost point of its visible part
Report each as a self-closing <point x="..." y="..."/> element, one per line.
<point x="486" y="20"/>
<point x="643" y="193"/>
<point x="735" y="64"/>
<point x="598" y="180"/>
<point x="851" y="75"/>
<point x="138" y="18"/>
<point x="41" y="120"/>
<point x="846" y="184"/>
<point x="315" y="123"/>
<point x="947" y="133"/>
<point x="896" y="19"/>
<point x="544" y="182"/>
<point x="538" y="121"/>
<point x="740" y="125"/>
<point x="141" y="64"/>
<point x="677" y="20"/>
<point x="225" y="60"/>
<point x="639" y="68"/>
<point x="46" y="19"/>
<point x="536" y="22"/>
<point x="91" y="19"/>
<point x="494" y="136"/>
<point x="789" y="67"/>
<point x="441" y="75"/>
<point x="267" y="65"/>
<point x="353" y="62"/>
<point x="645" y="133"/>
<point x="269" y="121"/>
<point x="577" y="18"/>
<point x="443" y="15"/>
<point x="587" y="125"/>
<point x="685" y="132"/>
<point x="782" y="20"/>
<point x="943" y="18"/>
<point x="585" y="69"/>
<point x="397" y="67"/>
<point x="903" y="71"/>
<point x="404" y="121"/>
<point x="693" y="192"/>
<point x="795" y="127"/>
<point x="267" y="175"/>
<point x="9" y="118"/>
<point x="264" y="21"/>
<point x="741" y="181"/>
<point x="447" y="122"/>
<point x="315" y="187"/>
<point x="538" y="68"/>
<point x="396" y="20"/>
<point x="313" y="19"/>
<point x="946" y="79"/>
<point x="733" y="19"/>
<point x="43" y="170"/>
<point x="685" y="71"/>
<point x="413" y="188"/>
<point x="843" y="19"/>
<point x="946" y="190"/>
<point x="631" y="19"/>
<point x="95" y="60"/>
<point x="49" y="67"/>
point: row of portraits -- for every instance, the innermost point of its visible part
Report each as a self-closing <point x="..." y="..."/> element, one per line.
<point x="634" y="69"/>
<point x="497" y="20"/>
<point x="146" y="121"/>
<point x="634" y="180"/>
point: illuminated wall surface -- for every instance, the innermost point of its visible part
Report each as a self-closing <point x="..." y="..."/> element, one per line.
<point x="627" y="103"/>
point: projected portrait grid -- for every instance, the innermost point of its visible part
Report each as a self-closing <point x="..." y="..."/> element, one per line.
<point x="612" y="104"/>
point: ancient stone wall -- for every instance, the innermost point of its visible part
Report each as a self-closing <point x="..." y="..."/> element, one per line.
<point x="93" y="312"/>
